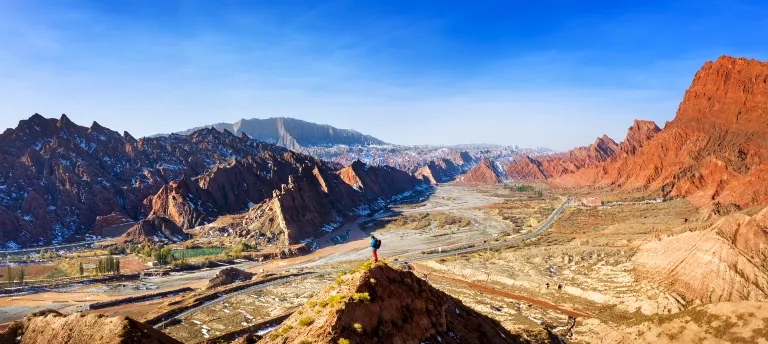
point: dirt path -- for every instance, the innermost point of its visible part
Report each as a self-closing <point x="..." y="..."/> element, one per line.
<point x="492" y="291"/>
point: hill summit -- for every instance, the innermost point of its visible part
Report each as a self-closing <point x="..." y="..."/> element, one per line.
<point x="378" y="303"/>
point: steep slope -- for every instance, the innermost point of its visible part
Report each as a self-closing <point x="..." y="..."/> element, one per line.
<point x="727" y="262"/>
<point x="485" y="172"/>
<point x="384" y="305"/>
<point x="57" y="178"/>
<point x="52" y="327"/>
<point x="312" y="201"/>
<point x="382" y="182"/>
<point x="714" y="149"/>
<point x="293" y="133"/>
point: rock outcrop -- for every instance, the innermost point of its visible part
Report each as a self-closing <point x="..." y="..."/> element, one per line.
<point x="727" y="262"/>
<point x="52" y="327"/>
<point x="312" y="202"/>
<point x="384" y="305"/>
<point x="486" y="172"/>
<point x="228" y="276"/>
<point x="293" y="133"/>
<point x="154" y="229"/>
<point x="107" y="221"/>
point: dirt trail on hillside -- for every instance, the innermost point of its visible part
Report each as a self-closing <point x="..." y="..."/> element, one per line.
<point x="497" y="292"/>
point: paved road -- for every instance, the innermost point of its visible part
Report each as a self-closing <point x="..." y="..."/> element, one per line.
<point x="533" y="234"/>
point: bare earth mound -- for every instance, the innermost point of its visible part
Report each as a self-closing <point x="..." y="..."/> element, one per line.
<point x="154" y="229"/>
<point x="384" y="305"/>
<point x="228" y="276"/>
<point x="726" y="262"/>
<point x="52" y="327"/>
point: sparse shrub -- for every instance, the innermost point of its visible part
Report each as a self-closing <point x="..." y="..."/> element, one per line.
<point x="305" y="341"/>
<point x="358" y="327"/>
<point x="343" y="341"/>
<point x="305" y="321"/>
<point x="282" y="332"/>
<point x="361" y="297"/>
<point x="366" y="266"/>
<point x="116" y="250"/>
<point x="334" y="299"/>
<point x="311" y="303"/>
<point x="372" y="280"/>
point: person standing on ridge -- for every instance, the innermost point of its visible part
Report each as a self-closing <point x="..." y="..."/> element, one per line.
<point x="375" y="245"/>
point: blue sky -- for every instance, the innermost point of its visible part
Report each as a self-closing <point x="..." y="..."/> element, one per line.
<point x="549" y="73"/>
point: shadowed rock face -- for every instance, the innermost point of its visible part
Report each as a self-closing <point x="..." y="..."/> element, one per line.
<point x="486" y="172"/>
<point x="313" y="199"/>
<point x="392" y="306"/>
<point x="293" y="133"/>
<point x="58" y="178"/>
<point x="154" y="229"/>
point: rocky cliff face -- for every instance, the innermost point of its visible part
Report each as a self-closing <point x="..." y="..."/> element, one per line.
<point x="293" y="133"/>
<point x="713" y="150"/>
<point x="58" y="178"/>
<point x="485" y="172"/>
<point x="384" y="305"/>
<point x="313" y="200"/>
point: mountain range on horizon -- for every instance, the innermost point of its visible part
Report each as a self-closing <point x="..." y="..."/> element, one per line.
<point x="292" y="133"/>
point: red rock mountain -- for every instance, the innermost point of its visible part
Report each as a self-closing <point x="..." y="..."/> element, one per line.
<point x="715" y="149"/>
<point x="485" y="172"/>
<point x="603" y="150"/>
<point x="313" y="200"/>
<point x="58" y="178"/>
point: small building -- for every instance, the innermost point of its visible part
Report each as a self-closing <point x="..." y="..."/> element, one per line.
<point x="592" y="202"/>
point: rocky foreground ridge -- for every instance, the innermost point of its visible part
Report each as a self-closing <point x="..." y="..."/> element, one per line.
<point x="380" y="304"/>
<point x="59" y="180"/>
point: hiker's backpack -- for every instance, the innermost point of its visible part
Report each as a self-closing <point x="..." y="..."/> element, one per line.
<point x="377" y="245"/>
